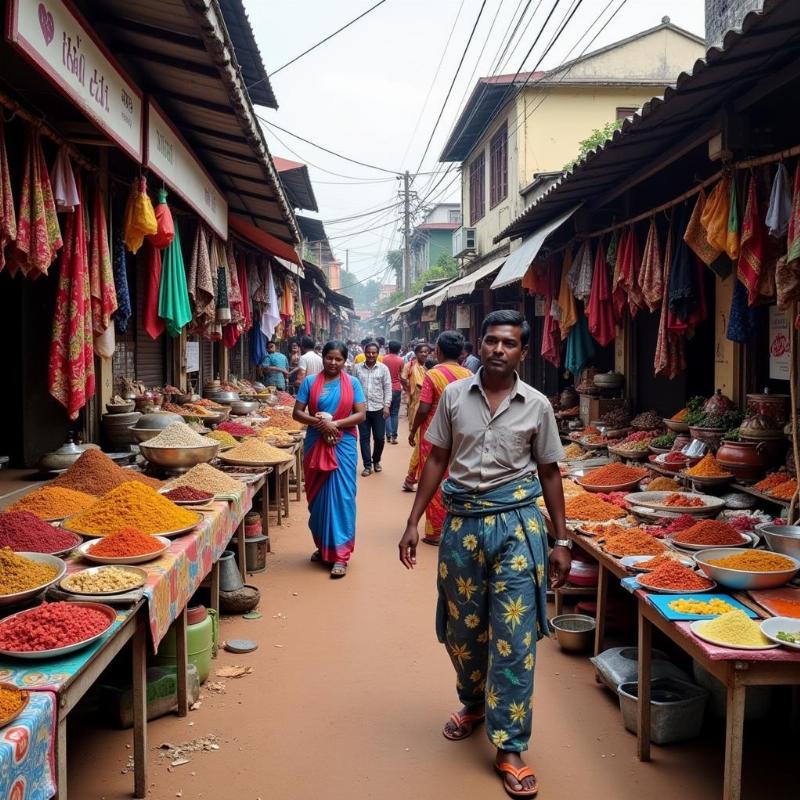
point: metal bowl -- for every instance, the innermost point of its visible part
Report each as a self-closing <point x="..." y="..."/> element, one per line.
<point x="784" y="539"/>
<point x="742" y="580"/>
<point x="179" y="458"/>
<point x="574" y="632"/>
<point x="158" y="419"/>
<point x="675" y="426"/>
<point x="121" y="408"/>
<point x="244" y="407"/>
<point x="43" y="558"/>
<point x="140" y="435"/>
<point x="226" y="398"/>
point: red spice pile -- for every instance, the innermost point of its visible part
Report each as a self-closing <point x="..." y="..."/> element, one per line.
<point x="125" y="542"/>
<point x="672" y="575"/>
<point x="613" y="475"/>
<point x="682" y="501"/>
<point x="680" y="523"/>
<point x="184" y="493"/>
<point x="236" y="429"/>
<point x="24" y="532"/>
<point x="712" y="532"/>
<point x="51" y="625"/>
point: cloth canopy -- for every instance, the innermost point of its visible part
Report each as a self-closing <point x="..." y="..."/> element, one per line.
<point x="264" y="241"/>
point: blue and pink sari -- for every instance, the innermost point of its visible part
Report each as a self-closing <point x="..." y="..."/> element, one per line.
<point x="330" y="470"/>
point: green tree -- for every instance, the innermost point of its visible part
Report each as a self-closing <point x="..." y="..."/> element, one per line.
<point x="394" y="259"/>
<point x="445" y="268"/>
<point x="597" y="137"/>
<point x="364" y="293"/>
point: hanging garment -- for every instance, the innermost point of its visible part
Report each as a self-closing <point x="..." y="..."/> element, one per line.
<point x="140" y="219"/>
<point x="38" y="233"/>
<point x="579" y="277"/>
<point x="670" y="355"/>
<point x="732" y="243"/>
<point x="652" y="274"/>
<point x="307" y="308"/>
<point x="681" y="288"/>
<point x="201" y="283"/>
<point x="715" y="213"/>
<point x="8" y="219"/>
<point x="70" y="377"/>
<point x="600" y="314"/>
<point x="611" y="253"/>
<point x="234" y="291"/>
<point x="618" y="298"/>
<point x="742" y="319"/>
<point x="165" y="226"/>
<point x="271" y="315"/>
<point x="173" y="293"/>
<point x="751" y="252"/>
<point x="65" y="193"/>
<point x="299" y="314"/>
<point x="101" y="274"/>
<point x="219" y="263"/>
<point x="567" y="311"/>
<point x="695" y="234"/>
<point x="551" y="334"/>
<point x="287" y="299"/>
<point x="120" y="266"/>
<point x="793" y="231"/>
<point x="580" y="347"/>
<point x="151" y="322"/>
<point x="787" y="282"/>
<point x="630" y="268"/>
<point x="244" y="290"/>
<point x="780" y="203"/>
<point x="258" y="346"/>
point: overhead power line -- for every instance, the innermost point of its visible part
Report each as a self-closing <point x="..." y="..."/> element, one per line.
<point x="359" y="216"/>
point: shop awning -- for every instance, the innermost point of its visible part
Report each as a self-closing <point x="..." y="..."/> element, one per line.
<point x="520" y="259"/>
<point x="265" y="241"/>
<point x="436" y="299"/>
<point x="467" y="284"/>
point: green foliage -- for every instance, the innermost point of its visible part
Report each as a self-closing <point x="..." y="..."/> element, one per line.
<point x="364" y="294"/>
<point x="394" y="259"/>
<point x="595" y="139"/>
<point x="392" y="300"/>
<point x="446" y="267"/>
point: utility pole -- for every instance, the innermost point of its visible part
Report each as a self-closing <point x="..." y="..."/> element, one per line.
<point x="406" y="232"/>
<point x="347" y="261"/>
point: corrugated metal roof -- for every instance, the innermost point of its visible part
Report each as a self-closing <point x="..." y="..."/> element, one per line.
<point x="297" y="183"/>
<point x="767" y="41"/>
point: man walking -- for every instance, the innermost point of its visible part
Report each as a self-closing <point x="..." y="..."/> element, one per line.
<point x="377" y="385"/>
<point x="471" y="361"/>
<point x="394" y="363"/>
<point x="495" y="433"/>
<point x="275" y="367"/>
<point x="309" y="363"/>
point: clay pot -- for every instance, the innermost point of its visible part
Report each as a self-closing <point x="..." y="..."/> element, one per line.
<point x="760" y="427"/>
<point x="746" y="460"/>
<point x="568" y="398"/>
<point x="711" y="436"/>
<point x="718" y="403"/>
<point x="772" y="406"/>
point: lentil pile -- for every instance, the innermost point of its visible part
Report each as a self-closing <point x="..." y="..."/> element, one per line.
<point x="18" y="574"/>
<point x="105" y="579"/>
<point x="613" y="475"/>
<point x="672" y="575"/>
<point x="633" y="542"/>
<point x="708" y="467"/>
<point x="711" y="532"/>
<point x="589" y="507"/>
<point x="178" y="435"/>
<point x="755" y="561"/>
<point x="125" y="542"/>
<point x="734" y="628"/>
<point x="26" y="533"/>
<point x="11" y="701"/>
<point x="255" y="451"/>
<point x="53" y="502"/>
<point x="51" y="625"/>
<point x="209" y="479"/>
<point x="132" y="504"/>
<point x="95" y="473"/>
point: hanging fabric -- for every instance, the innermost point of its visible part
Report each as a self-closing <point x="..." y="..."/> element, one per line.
<point x="580" y="347"/>
<point x="233" y="330"/>
<point x="715" y="213"/>
<point x="140" y="219"/>
<point x="580" y="274"/>
<point x="630" y="268"/>
<point x="8" y="218"/>
<point x="681" y="288"/>
<point x="611" y="253"/>
<point x="652" y="283"/>
<point x="567" y="311"/>
<point x="695" y="235"/>
<point x="101" y="280"/>
<point x="742" y="318"/>
<point x="299" y="314"/>
<point x="307" y="308"/>
<point x="201" y="283"/>
<point x="244" y="290"/>
<point x="70" y="376"/>
<point x="287" y="299"/>
<point x="551" y="336"/>
<point x="120" y="266"/>
<point x="38" y="233"/>
<point x="151" y="322"/>
<point x="173" y="294"/>
<point x="219" y="267"/>
<point x="732" y="243"/>
<point x="618" y="298"/>
<point x="600" y="314"/>
<point x="780" y="203"/>
<point x="271" y="315"/>
<point x="165" y="225"/>
<point x="751" y="255"/>
<point x="65" y="193"/>
<point x="258" y="347"/>
<point x="670" y="355"/>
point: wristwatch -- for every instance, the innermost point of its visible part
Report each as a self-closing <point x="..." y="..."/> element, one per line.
<point x="564" y="543"/>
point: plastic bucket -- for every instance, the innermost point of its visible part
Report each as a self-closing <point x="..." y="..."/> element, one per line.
<point x="202" y="635"/>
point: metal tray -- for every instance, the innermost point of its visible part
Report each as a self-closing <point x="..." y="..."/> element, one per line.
<point x="85" y="552"/>
<point x="17" y="598"/>
<point x="139" y="573"/>
<point x="167" y="534"/>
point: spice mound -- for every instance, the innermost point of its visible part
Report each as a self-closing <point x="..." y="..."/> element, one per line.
<point x="785" y="490"/>
<point x="19" y="574"/>
<point x="613" y="475"/>
<point x="672" y="575"/>
<point x="186" y="494"/>
<point x="178" y="435"/>
<point x="223" y="437"/>
<point x="283" y="419"/>
<point x="573" y="451"/>
<point x="26" y="533"/>
<point x="665" y="558"/>
<point x="755" y="561"/>
<point x="771" y="481"/>
<point x="255" y="451"/>
<point x="708" y="467"/>
<point x="53" y="502"/>
<point x="734" y="628"/>
<point x="590" y="507"/>
<point x="95" y="473"/>
<point x="663" y="485"/>
<point x="711" y="532"/>
<point x="713" y="606"/>
<point x="11" y="701"/>
<point x="209" y="479"/>
<point x="678" y="500"/>
<point x="132" y="505"/>
<point x="237" y="429"/>
<point x="125" y="542"/>
<point x="104" y="579"/>
<point x="51" y="625"/>
<point x="633" y="542"/>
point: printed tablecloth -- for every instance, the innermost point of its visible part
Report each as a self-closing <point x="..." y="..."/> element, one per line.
<point x="27" y="754"/>
<point x="729" y="654"/>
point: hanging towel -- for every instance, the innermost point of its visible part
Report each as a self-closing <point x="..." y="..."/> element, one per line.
<point x="568" y="313"/>
<point x="271" y="315"/>
<point x="618" y="299"/>
<point x="732" y="243"/>
<point x="600" y="314"/>
<point x="630" y="268"/>
<point x="652" y="275"/>
<point x="70" y="377"/>
<point x="151" y="322"/>
<point x="695" y="235"/>
<point x="715" y="213"/>
<point x="8" y="219"/>
<point x="140" y="219"/>
<point x="38" y="232"/>
<point x="670" y="355"/>
<point x="580" y="348"/>
<point x="120" y="265"/>
<point x="173" y="293"/>
<point x="580" y="274"/>
<point x="65" y="193"/>
<point x="101" y="274"/>
<point x="751" y="255"/>
<point x="201" y="282"/>
<point x="165" y="226"/>
<point x="780" y="203"/>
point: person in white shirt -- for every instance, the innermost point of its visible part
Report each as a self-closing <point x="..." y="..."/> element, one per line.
<point x="309" y="363"/>
<point x="376" y="381"/>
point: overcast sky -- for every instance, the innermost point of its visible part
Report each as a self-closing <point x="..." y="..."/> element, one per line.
<point x="363" y="94"/>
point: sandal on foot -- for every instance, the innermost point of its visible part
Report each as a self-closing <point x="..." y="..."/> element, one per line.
<point x="433" y="541"/>
<point x="465" y="722"/>
<point x="339" y="570"/>
<point x="316" y="557"/>
<point x="408" y="487"/>
<point x="518" y="775"/>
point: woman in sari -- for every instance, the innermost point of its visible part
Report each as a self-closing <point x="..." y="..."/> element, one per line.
<point x="448" y="350"/>
<point x="411" y="378"/>
<point x="332" y="404"/>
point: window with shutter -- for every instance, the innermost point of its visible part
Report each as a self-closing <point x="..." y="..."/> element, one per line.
<point x="498" y="166"/>
<point x="477" y="189"/>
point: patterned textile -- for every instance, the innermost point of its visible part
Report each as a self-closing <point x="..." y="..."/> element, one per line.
<point x="551" y="333"/>
<point x="630" y="268"/>
<point x="173" y="294"/>
<point x="8" y="219"/>
<point x="611" y="253"/>
<point x="751" y="252"/>
<point x="219" y="266"/>
<point x="492" y="605"/>
<point x="579" y="277"/>
<point x="38" y="233"/>
<point x="271" y="315"/>
<point x="599" y="312"/>
<point x="780" y="203"/>
<point x="201" y="283"/>
<point x="695" y="234"/>
<point x="71" y="365"/>
<point x="140" y="219"/>
<point x="101" y="274"/>
<point x="793" y="231"/>
<point x="567" y="311"/>
<point x="414" y="373"/>
<point x="65" y="192"/>
<point x="617" y="279"/>
<point x="742" y="317"/>
<point x="670" y="355"/>
<point x="120" y="265"/>
<point x="652" y="274"/>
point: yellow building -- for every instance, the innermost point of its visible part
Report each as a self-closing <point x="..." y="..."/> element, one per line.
<point x="517" y="132"/>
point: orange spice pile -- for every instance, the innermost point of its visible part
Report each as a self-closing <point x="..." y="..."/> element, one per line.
<point x="591" y="507"/>
<point x="785" y="490"/>
<point x="633" y="542"/>
<point x="672" y="575"/>
<point x="613" y="475"/>
<point x="708" y="467"/>
<point x="682" y="501"/>
<point x="771" y="481"/>
<point x="711" y="532"/>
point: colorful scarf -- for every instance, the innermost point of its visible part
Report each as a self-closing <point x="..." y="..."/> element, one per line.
<point x="652" y="274"/>
<point x="201" y="283"/>
<point x="120" y="265"/>
<point x="780" y="204"/>
<point x="579" y="277"/>
<point x="8" y="219"/>
<point x="140" y="219"/>
<point x="567" y="311"/>
<point x="101" y="274"/>
<point x="695" y="235"/>
<point x="151" y="322"/>
<point x="670" y="355"/>
<point x="173" y="294"/>
<point x="600" y="314"/>
<point x="751" y="252"/>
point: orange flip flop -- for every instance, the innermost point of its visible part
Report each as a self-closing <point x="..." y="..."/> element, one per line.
<point x="518" y="775"/>
<point x="466" y="721"/>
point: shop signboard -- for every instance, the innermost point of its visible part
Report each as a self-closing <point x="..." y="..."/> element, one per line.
<point x="170" y="157"/>
<point x="779" y="345"/>
<point x="462" y="316"/>
<point x="60" y="44"/>
<point x="192" y="356"/>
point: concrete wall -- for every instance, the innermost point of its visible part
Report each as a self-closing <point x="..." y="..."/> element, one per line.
<point x="440" y="212"/>
<point x="723" y="15"/>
